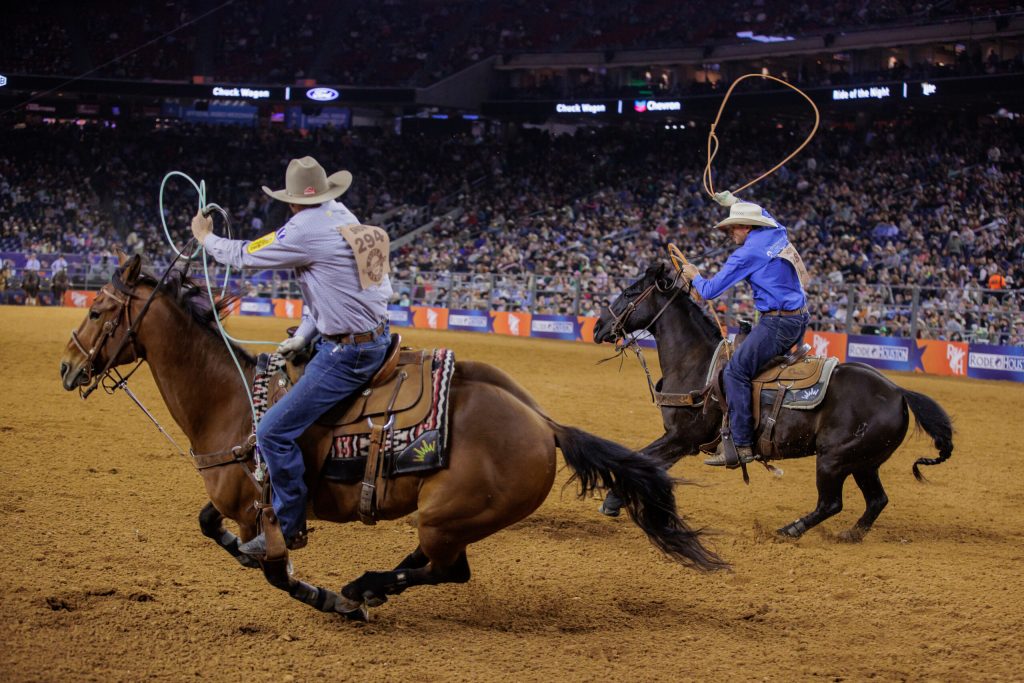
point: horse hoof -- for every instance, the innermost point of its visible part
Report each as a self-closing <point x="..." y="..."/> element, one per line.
<point x="854" y="535"/>
<point x="247" y="561"/>
<point x="788" y="532"/>
<point x="608" y="511"/>
<point x="371" y="599"/>
<point x="360" y="613"/>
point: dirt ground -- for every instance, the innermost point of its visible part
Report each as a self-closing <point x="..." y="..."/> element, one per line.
<point x="107" y="577"/>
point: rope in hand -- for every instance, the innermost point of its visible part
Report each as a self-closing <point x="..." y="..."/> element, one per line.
<point x="709" y="186"/>
<point x="206" y="210"/>
<point x="677" y="256"/>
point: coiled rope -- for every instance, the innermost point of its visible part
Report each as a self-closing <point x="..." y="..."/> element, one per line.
<point x="674" y="253"/>
<point x="207" y="209"/>
<point x="709" y="185"/>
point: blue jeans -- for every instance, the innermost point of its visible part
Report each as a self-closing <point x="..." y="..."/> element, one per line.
<point x="774" y="335"/>
<point x="335" y="373"/>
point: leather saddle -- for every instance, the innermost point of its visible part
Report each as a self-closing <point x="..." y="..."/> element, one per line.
<point x="778" y="377"/>
<point x="398" y="391"/>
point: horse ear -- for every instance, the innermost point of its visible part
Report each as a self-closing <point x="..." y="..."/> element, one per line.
<point x="121" y="256"/>
<point x="132" y="269"/>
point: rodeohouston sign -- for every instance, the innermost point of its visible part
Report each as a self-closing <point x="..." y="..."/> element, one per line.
<point x="929" y="356"/>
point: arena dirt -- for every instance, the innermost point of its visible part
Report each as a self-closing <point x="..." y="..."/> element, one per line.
<point x="106" y="576"/>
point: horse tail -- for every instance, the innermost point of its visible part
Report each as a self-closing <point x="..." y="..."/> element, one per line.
<point x="643" y="485"/>
<point x="936" y="423"/>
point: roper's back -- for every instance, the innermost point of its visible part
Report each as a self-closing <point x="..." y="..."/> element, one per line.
<point x="331" y="281"/>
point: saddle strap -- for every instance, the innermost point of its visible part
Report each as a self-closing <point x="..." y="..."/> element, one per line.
<point x="367" y="496"/>
<point x="764" y="444"/>
<point x="692" y="399"/>
<point x="270" y="526"/>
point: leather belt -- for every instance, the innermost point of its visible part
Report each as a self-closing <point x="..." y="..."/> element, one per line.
<point x="356" y="337"/>
<point x="776" y="311"/>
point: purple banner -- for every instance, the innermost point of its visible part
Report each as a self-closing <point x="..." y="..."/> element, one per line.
<point x="469" y="321"/>
<point x="995" y="362"/>
<point x="554" y="327"/>
<point x="399" y="316"/>
<point x="884" y="353"/>
<point x="255" y="306"/>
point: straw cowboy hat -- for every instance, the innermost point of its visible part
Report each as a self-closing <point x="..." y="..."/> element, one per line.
<point x="306" y="182"/>
<point x="747" y="213"/>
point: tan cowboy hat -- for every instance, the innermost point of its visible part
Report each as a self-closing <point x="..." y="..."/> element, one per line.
<point x="747" y="213"/>
<point x="306" y="182"/>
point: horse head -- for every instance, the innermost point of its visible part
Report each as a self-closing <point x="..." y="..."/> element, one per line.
<point x="105" y="338"/>
<point x="640" y="304"/>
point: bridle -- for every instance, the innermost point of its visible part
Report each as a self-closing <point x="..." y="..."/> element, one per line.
<point x="110" y="377"/>
<point x="618" y="326"/>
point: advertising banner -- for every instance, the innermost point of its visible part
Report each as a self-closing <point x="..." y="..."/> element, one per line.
<point x="827" y="344"/>
<point x="468" y="321"/>
<point x="399" y="316"/>
<point x="884" y="353"/>
<point x="288" y="308"/>
<point x="429" y="317"/>
<point x="512" y="324"/>
<point x="554" y="327"/>
<point x="255" y="306"/>
<point x="996" y="362"/>
<point x="79" y="298"/>
<point x="586" y="327"/>
<point x="943" y="357"/>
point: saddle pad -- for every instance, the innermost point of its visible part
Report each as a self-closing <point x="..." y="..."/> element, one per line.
<point x="807" y="398"/>
<point x="414" y="450"/>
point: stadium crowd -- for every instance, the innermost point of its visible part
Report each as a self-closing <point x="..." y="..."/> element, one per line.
<point x="401" y="42"/>
<point x="559" y="223"/>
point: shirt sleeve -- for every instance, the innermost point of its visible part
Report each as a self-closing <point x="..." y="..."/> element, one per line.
<point x="279" y="249"/>
<point x="738" y="266"/>
<point x="308" y="325"/>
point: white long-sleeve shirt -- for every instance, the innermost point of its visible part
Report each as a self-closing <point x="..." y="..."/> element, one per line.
<point x="325" y="268"/>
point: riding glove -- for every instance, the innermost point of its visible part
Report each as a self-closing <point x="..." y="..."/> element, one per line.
<point x="289" y="347"/>
<point x="725" y="198"/>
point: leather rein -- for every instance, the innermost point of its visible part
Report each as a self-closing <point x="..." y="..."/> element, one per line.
<point x="691" y="399"/>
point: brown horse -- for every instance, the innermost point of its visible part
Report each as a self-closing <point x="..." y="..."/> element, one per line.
<point x="58" y="286"/>
<point x="501" y="464"/>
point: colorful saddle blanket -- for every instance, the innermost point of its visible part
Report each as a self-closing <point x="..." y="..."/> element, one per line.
<point x="415" y="449"/>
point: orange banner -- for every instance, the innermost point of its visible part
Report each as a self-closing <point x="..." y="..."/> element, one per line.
<point x="79" y="298"/>
<point x="429" y="317"/>
<point x="827" y="344"/>
<point x="943" y="357"/>
<point x="287" y="308"/>
<point x="512" y="324"/>
<point x="587" y="326"/>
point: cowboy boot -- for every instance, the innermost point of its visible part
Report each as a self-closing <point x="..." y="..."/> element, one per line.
<point x="730" y="455"/>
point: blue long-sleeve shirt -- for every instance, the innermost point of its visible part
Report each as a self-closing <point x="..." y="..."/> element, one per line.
<point x="773" y="280"/>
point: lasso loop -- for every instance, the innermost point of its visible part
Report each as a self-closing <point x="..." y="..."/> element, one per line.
<point x="206" y="210"/>
<point x="709" y="186"/>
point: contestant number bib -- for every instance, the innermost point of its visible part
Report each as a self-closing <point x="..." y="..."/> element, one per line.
<point x="371" y="246"/>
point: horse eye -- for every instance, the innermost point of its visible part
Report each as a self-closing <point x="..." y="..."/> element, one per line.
<point x="94" y="315"/>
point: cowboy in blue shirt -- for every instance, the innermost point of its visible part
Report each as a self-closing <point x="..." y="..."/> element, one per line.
<point x="771" y="265"/>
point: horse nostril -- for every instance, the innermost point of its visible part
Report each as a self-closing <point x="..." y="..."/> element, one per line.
<point x="63" y="370"/>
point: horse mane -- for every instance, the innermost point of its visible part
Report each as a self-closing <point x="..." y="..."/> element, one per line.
<point x="705" y="322"/>
<point x="193" y="298"/>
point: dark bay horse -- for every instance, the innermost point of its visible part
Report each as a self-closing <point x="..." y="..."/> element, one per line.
<point x="30" y="282"/>
<point x="860" y="423"/>
<point x="501" y="466"/>
<point x="58" y="286"/>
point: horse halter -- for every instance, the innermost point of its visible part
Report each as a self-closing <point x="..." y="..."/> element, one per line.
<point x="618" y="326"/>
<point x="109" y="377"/>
